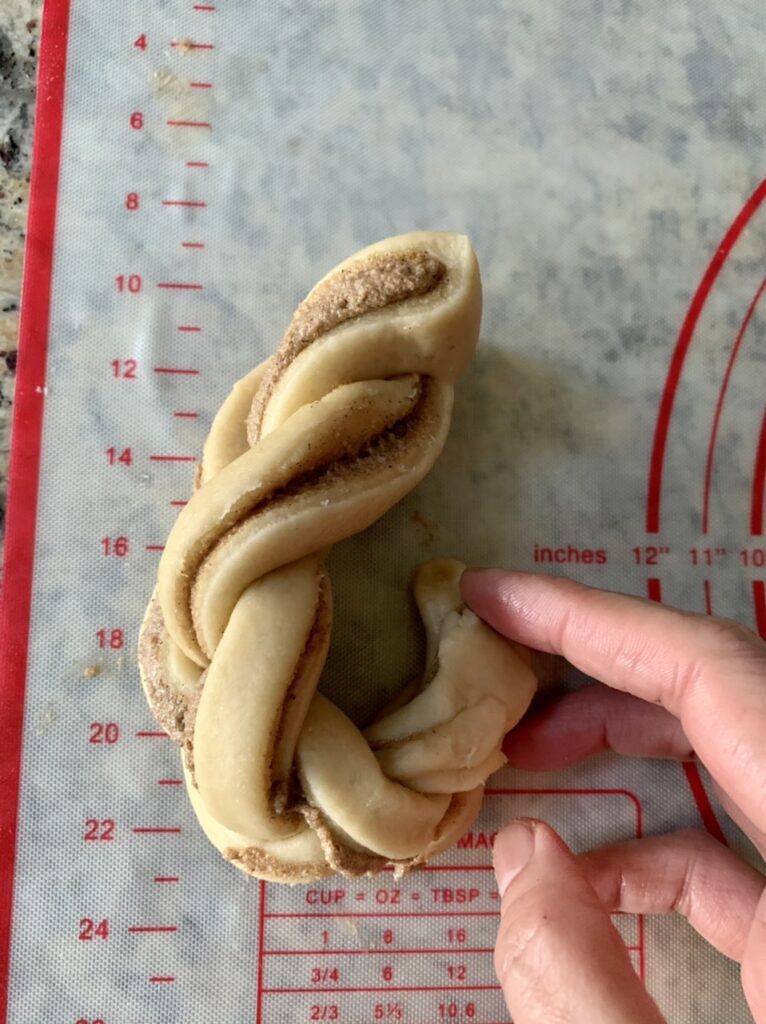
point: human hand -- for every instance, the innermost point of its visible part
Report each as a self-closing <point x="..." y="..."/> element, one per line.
<point x="680" y="686"/>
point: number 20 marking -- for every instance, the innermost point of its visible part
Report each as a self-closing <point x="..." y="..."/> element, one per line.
<point x="106" y="733"/>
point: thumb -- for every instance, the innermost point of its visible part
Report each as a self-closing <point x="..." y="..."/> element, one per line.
<point x="558" y="955"/>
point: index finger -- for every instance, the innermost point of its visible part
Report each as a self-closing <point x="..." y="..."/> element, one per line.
<point x="710" y="673"/>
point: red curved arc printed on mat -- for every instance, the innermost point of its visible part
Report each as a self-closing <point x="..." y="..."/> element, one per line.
<point x="721" y="399"/>
<point x="759" y="483"/>
<point x="759" y="601"/>
<point x="685" y="335"/>
<point x="691" y="770"/>
<point x="16" y="595"/>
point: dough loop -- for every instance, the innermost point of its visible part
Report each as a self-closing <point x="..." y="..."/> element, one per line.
<point x="310" y="448"/>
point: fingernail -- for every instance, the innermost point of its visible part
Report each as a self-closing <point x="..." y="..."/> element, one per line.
<point x="471" y="573"/>
<point x="513" y="849"/>
<point x="478" y="577"/>
<point x="475" y="572"/>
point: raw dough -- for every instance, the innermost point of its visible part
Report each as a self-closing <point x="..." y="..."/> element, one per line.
<point x="310" y="448"/>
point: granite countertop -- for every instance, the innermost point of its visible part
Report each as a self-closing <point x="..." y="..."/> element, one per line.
<point x="19" y="38"/>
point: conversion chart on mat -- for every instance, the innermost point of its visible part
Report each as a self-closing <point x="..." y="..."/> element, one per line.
<point x="197" y="168"/>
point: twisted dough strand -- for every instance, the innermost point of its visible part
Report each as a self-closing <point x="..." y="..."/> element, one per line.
<point x="310" y="448"/>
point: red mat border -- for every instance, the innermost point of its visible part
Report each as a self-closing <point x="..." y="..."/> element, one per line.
<point x="24" y="471"/>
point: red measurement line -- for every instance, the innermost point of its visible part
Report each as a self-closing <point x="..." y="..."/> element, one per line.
<point x="185" y="45"/>
<point x="759" y="600"/>
<point x="708" y="598"/>
<point x="192" y="245"/>
<point x="721" y="399"/>
<point x="691" y="770"/>
<point x="167" y="878"/>
<point x="153" y="735"/>
<point x="759" y="483"/>
<point x="204" y="7"/>
<point x="390" y="988"/>
<point x="172" y="458"/>
<point x="183" y="202"/>
<point x="184" y="285"/>
<point x="629" y="794"/>
<point x="681" y="350"/>
<point x="190" y="328"/>
<point x="641" y="949"/>
<point x="156" y="829"/>
<point x="24" y="473"/>
<point x="261" y="927"/>
<point x="186" y="415"/>
<point x="153" y="928"/>
<point x="197" y="163"/>
<point x="388" y="913"/>
<point x="169" y="782"/>
<point x="174" y="369"/>
<point x="189" y="124"/>
<point x="705" y="808"/>
<point x="365" y="951"/>
<point x="201" y="85"/>
<point x="179" y="504"/>
<point x="157" y="978"/>
<point x="155" y="547"/>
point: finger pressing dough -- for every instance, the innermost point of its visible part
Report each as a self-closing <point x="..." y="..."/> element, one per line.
<point x="312" y="447"/>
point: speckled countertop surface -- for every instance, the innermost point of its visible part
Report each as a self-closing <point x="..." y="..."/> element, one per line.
<point x="19" y="38"/>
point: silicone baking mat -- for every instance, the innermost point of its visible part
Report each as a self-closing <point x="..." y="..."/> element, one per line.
<point x="197" y="168"/>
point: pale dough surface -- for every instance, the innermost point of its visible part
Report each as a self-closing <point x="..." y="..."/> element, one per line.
<point x="310" y="448"/>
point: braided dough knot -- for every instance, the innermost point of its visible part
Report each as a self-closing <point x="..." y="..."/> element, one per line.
<point x="310" y="448"/>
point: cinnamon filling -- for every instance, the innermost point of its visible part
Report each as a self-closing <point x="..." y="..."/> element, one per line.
<point x="378" y="453"/>
<point x="370" y="285"/>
